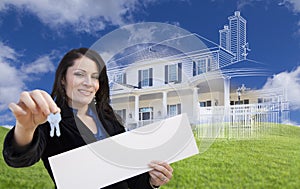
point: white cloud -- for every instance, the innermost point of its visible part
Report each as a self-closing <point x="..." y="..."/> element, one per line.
<point x="293" y="4"/>
<point x="243" y="3"/>
<point x="88" y="15"/>
<point x="5" y="118"/>
<point x="11" y="84"/>
<point x="290" y="81"/>
<point x="141" y="34"/>
<point x="7" y="53"/>
<point x="106" y="56"/>
<point x="43" y="64"/>
<point x="12" y="79"/>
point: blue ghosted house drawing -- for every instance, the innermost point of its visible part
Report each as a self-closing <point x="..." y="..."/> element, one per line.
<point x="233" y="36"/>
<point x="150" y="81"/>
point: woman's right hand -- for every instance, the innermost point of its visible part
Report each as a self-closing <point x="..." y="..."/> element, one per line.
<point x="31" y="110"/>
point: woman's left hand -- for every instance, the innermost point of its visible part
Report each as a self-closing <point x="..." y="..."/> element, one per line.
<point x="161" y="173"/>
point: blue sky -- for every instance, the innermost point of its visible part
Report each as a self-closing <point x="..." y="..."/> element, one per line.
<point x="35" y="34"/>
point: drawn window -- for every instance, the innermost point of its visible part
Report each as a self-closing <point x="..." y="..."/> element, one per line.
<point x="202" y="65"/>
<point x="120" y="78"/>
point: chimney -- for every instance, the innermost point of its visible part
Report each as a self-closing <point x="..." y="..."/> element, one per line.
<point x="237" y="13"/>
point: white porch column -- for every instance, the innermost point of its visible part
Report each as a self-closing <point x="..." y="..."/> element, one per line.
<point x="196" y="106"/>
<point x="164" y="105"/>
<point x="226" y="98"/>
<point x="136" y="108"/>
<point x="226" y="91"/>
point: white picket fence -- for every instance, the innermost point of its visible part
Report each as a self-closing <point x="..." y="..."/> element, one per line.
<point x="240" y="121"/>
<point x="236" y="121"/>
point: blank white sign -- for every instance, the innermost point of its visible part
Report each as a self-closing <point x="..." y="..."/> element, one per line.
<point x="125" y="155"/>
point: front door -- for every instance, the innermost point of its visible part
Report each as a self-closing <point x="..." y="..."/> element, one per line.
<point x="146" y="113"/>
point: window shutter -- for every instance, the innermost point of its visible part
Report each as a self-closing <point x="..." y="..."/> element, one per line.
<point x="179" y="72"/>
<point x="178" y="108"/>
<point x="208" y="65"/>
<point x="166" y="74"/>
<point x="124" y="78"/>
<point x="139" y="79"/>
<point x="194" y="68"/>
<point x="124" y="114"/>
<point x="208" y="103"/>
<point x="150" y="76"/>
<point x="168" y="110"/>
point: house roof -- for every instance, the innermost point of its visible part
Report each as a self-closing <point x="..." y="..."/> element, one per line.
<point x="244" y="68"/>
<point x="145" y="52"/>
<point x="142" y="52"/>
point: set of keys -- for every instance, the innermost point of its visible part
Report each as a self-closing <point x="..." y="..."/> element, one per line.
<point x="54" y="120"/>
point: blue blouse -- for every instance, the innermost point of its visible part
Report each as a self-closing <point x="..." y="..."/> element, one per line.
<point x="101" y="133"/>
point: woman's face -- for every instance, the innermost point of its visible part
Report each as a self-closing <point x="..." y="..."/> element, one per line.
<point x="81" y="82"/>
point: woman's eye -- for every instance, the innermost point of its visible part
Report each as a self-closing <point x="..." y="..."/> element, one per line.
<point x="95" y="77"/>
<point x="78" y="74"/>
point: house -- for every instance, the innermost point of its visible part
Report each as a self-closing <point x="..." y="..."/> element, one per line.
<point x="152" y="81"/>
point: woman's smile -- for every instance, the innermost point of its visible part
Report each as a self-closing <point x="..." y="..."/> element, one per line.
<point x="85" y="92"/>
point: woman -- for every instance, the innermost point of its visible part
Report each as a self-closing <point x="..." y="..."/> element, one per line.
<point x="81" y="94"/>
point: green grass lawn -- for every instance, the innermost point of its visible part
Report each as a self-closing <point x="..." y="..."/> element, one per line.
<point x="35" y="177"/>
<point x="272" y="161"/>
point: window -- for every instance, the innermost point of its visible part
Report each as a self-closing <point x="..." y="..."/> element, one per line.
<point x="205" y="103"/>
<point x="202" y="65"/>
<point x="174" y="109"/>
<point x="208" y="103"/>
<point x="146" y="113"/>
<point x="145" y="77"/>
<point x="120" y="78"/>
<point x="267" y="100"/>
<point x="173" y="76"/>
<point x="173" y="73"/>
<point x="238" y="102"/>
<point x="246" y="101"/>
<point x="202" y="104"/>
<point x="259" y="100"/>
